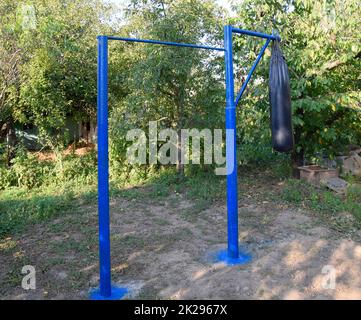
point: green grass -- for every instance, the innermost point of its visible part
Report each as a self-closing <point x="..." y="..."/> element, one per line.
<point x="193" y="213"/>
<point x="129" y="240"/>
<point x="34" y="191"/>
<point x="21" y="206"/>
<point x="322" y="200"/>
<point x="17" y="212"/>
<point x="196" y="185"/>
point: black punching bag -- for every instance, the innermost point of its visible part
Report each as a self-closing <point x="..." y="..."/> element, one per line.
<point x="280" y="100"/>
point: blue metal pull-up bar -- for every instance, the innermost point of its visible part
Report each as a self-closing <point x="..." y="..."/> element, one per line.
<point x="106" y="291"/>
<point x="165" y="43"/>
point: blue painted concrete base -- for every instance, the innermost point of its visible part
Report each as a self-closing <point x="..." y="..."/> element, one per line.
<point x="117" y="294"/>
<point x="243" y="258"/>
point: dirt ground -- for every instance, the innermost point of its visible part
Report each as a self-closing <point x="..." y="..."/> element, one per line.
<point x="161" y="249"/>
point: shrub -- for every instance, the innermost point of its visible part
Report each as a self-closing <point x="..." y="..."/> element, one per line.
<point x="28" y="170"/>
<point x="7" y="178"/>
<point x="73" y="167"/>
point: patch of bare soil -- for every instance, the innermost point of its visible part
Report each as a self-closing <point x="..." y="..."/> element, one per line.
<point x="160" y="249"/>
<point x="80" y="149"/>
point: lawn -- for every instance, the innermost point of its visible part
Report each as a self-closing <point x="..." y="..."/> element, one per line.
<point x="165" y="231"/>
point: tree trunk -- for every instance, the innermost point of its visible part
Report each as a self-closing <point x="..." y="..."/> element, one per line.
<point x="180" y="93"/>
<point x="11" y="141"/>
<point x="180" y="166"/>
<point x="297" y="157"/>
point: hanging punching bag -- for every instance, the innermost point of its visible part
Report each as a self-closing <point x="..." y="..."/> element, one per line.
<point x="280" y="100"/>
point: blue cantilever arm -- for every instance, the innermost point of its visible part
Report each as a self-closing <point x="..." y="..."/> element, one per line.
<point x="239" y="96"/>
<point x="256" y="34"/>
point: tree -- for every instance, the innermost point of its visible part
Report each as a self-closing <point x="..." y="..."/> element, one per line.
<point x="323" y="54"/>
<point x="11" y="59"/>
<point x="178" y="85"/>
<point x="51" y="72"/>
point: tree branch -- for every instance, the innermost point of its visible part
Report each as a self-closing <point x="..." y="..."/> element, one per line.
<point x="334" y="64"/>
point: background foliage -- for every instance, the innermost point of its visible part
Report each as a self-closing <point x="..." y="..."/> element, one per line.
<point x="323" y="53"/>
<point x="48" y="73"/>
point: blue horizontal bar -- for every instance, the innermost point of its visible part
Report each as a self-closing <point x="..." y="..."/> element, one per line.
<point x="239" y="96"/>
<point x="256" y="34"/>
<point x="176" y="44"/>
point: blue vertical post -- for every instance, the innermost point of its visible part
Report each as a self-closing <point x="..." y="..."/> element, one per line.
<point x="105" y="291"/>
<point x="231" y="154"/>
<point x="103" y="169"/>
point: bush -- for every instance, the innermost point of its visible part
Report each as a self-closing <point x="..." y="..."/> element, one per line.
<point x="28" y="170"/>
<point x="73" y="167"/>
<point x="7" y="178"/>
<point x="56" y="186"/>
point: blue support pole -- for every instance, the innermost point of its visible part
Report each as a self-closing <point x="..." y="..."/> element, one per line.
<point x="103" y="168"/>
<point x="105" y="291"/>
<point x="239" y="96"/>
<point x="231" y="157"/>
<point x="232" y="255"/>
